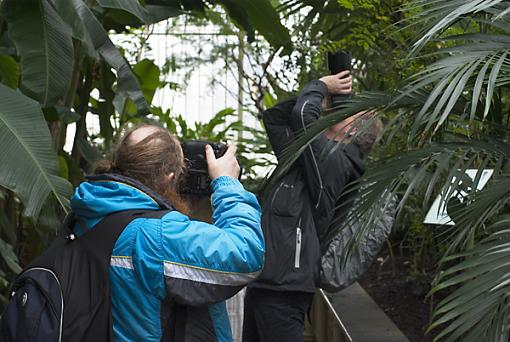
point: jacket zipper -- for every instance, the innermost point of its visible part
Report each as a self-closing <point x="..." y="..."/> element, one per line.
<point x="276" y="193"/>
<point x="298" y="245"/>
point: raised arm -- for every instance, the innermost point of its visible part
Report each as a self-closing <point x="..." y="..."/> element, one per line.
<point x="277" y="123"/>
<point x="207" y="263"/>
<point x="326" y="175"/>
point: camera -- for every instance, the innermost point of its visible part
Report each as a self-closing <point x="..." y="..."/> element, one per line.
<point x="197" y="181"/>
<point x="339" y="61"/>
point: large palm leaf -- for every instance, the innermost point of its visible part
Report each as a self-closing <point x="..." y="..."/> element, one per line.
<point x="431" y="18"/>
<point x="473" y="66"/>
<point x="458" y="81"/>
<point x="45" y="46"/>
<point x="126" y="81"/>
<point x="461" y="88"/>
<point x="478" y="309"/>
<point x="29" y="163"/>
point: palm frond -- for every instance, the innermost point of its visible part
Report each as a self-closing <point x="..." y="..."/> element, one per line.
<point x="474" y="68"/>
<point x="439" y="165"/>
<point x="478" y="309"/>
<point x="436" y="16"/>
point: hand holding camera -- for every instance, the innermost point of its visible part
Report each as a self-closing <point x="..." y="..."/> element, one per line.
<point x="206" y="161"/>
<point x="340" y="83"/>
<point x="225" y="165"/>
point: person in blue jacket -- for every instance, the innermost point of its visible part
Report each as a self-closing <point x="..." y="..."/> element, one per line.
<point x="170" y="276"/>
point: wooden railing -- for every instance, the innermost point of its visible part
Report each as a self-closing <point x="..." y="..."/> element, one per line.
<point x="349" y="316"/>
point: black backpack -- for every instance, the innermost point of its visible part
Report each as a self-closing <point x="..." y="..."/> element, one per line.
<point x="64" y="294"/>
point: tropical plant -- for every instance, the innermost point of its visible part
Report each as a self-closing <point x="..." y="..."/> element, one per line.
<point x="453" y="115"/>
<point x="252" y="143"/>
<point x="58" y="66"/>
<point x="64" y="52"/>
<point x="447" y="61"/>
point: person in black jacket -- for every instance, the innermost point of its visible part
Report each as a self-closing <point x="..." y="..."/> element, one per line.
<point x="297" y="209"/>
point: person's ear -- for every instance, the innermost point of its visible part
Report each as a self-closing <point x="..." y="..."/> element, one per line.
<point x="352" y="131"/>
<point x="170" y="177"/>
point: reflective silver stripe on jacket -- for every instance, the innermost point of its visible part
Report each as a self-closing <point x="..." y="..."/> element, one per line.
<point x="208" y="276"/>
<point x="124" y="262"/>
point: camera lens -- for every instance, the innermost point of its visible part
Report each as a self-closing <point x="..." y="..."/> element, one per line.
<point x="337" y="62"/>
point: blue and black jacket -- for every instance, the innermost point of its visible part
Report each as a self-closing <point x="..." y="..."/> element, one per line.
<point x="170" y="276"/>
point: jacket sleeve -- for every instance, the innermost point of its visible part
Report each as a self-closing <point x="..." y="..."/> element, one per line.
<point x="277" y="123"/>
<point x="326" y="172"/>
<point x="207" y="263"/>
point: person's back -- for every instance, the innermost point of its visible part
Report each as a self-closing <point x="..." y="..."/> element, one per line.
<point x="169" y="276"/>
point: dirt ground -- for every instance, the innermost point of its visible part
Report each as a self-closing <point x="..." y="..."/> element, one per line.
<point x="400" y="296"/>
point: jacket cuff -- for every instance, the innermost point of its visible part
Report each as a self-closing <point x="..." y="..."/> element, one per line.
<point x="223" y="181"/>
<point x="319" y="86"/>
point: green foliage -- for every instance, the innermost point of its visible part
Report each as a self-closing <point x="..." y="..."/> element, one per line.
<point x="33" y="170"/>
<point x="147" y="74"/>
<point x="370" y="30"/>
<point x="45" y="47"/>
<point x="9" y="71"/>
<point x="127" y="84"/>
<point x="448" y="115"/>
<point x="9" y="257"/>
<point x="252" y="148"/>
<point x="133" y="7"/>
<point x="59" y="53"/>
<point x="61" y="73"/>
<point x="216" y="129"/>
<point x="476" y="310"/>
<point x="259" y="13"/>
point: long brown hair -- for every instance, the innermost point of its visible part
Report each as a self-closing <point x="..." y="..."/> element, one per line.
<point x="149" y="160"/>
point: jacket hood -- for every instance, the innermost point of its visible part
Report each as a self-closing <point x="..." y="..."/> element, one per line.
<point x="93" y="200"/>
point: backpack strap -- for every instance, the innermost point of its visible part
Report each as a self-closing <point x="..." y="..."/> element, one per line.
<point x="92" y="251"/>
<point x="102" y="237"/>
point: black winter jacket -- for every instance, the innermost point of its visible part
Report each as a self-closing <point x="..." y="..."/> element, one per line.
<point x="304" y="199"/>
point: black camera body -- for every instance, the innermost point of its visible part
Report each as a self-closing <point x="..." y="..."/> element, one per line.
<point x="197" y="180"/>
<point x="339" y="61"/>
